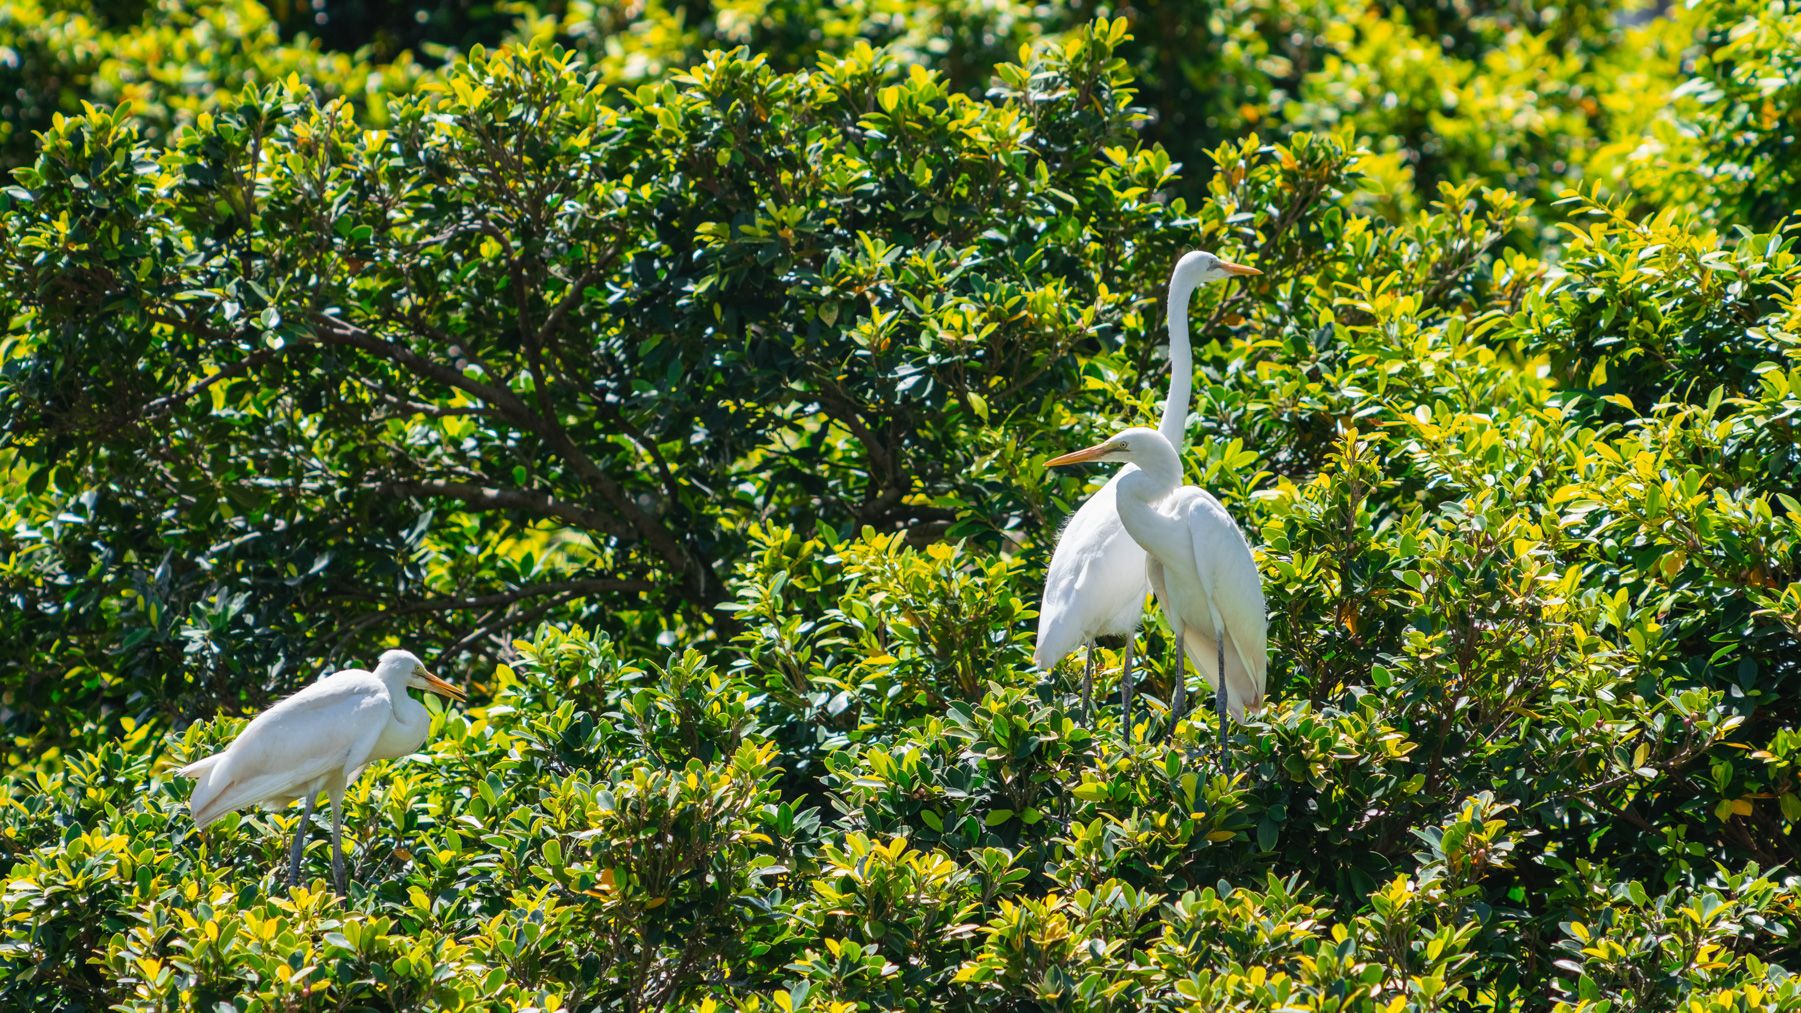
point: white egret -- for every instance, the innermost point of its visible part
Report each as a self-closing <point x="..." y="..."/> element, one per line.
<point x="318" y="740"/>
<point x="1097" y="579"/>
<point x="1200" y="566"/>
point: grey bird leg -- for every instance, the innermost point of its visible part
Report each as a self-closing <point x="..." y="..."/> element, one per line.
<point x="1178" y="694"/>
<point x="300" y="842"/>
<point x="1220" y="703"/>
<point x="1125" y="687"/>
<point x="1088" y="687"/>
<point x="337" y="846"/>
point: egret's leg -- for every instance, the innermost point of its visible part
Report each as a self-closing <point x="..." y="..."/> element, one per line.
<point x="1178" y="691"/>
<point x="337" y="845"/>
<point x="306" y="814"/>
<point x="1125" y="686"/>
<point x="1219" y="701"/>
<point x="1178" y="694"/>
<point x="1088" y="687"/>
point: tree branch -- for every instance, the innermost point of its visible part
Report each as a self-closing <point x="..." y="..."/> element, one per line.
<point x="337" y="331"/>
<point x="522" y="500"/>
<point x="557" y="591"/>
<point x="696" y="573"/>
<point x="260" y="357"/>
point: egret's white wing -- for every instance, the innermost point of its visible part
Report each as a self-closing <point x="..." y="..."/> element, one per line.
<point x="1153" y="569"/>
<point x="1235" y="589"/>
<point x="328" y="727"/>
<point x="1095" y="585"/>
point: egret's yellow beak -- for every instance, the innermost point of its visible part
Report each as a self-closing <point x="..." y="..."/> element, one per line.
<point x="1238" y="269"/>
<point x="433" y="684"/>
<point x="1093" y="453"/>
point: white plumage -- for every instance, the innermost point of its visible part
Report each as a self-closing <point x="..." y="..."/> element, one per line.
<point x="1097" y="580"/>
<point x="315" y="741"/>
<point x="1225" y="594"/>
<point x="1095" y="586"/>
<point x="1199" y="565"/>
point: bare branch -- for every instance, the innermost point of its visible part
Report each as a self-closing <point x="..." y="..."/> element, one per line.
<point x="557" y="592"/>
<point x="696" y="572"/>
<point x="489" y="627"/>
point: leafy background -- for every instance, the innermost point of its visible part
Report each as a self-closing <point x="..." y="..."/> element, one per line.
<point x="679" y="374"/>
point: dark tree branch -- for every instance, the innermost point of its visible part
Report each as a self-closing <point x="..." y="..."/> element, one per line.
<point x="556" y="592"/>
<point x="572" y="296"/>
<point x="697" y="574"/>
<point x="337" y="331"/>
<point x="523" y="500"/>
<point x="492" y="625"/>
<point x="258" y="358"/>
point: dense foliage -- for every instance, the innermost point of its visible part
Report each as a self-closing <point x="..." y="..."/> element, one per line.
<point x="679" y="375"/>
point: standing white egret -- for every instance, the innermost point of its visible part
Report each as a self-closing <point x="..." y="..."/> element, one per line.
<point x="1097" y="580"/>
<point x="1200" y="566"/>
<point x="318" y="740"/>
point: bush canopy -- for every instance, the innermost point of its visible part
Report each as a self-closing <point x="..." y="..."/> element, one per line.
<point x="680" y="375"/>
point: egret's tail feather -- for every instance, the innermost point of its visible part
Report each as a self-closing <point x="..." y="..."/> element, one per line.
<point x="1055" y="642"/>
<point x="210" y="784"/>
<point x="198" y="768"/>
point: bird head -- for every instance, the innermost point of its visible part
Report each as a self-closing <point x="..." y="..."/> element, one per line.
<point x="406" y="666"/>
<point x="1198" y="267"/>
<point x="1128" y="446"/>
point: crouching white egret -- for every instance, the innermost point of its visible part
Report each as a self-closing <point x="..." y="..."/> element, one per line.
<point x="1096" y="583"/>
<point x="318" y="740"/>
<point x="1200" y="567"/>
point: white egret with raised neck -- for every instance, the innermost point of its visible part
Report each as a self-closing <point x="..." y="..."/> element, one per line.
<point x="318" y="740"/>
<point x="1200" y="567"/>
<point x="1097" y="580"/>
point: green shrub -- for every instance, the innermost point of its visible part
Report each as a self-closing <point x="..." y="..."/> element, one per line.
<point x="686" y="391"/>
<point x="772" y="244"/>
<point x="551" y="867"/>
<point x="164" y="64"/>
<point x="1724" y="142"/>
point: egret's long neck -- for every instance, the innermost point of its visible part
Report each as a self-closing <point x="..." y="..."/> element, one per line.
<point x="1159" y="472"/>
<point x="1157" y="475"/>
<point x="1174" y="426"/>
<point x="407" y="710"/>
